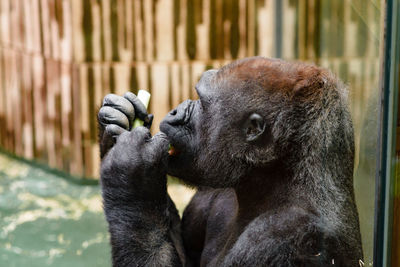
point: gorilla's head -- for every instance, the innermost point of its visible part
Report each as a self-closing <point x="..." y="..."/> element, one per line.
<point x="250" y="115"/>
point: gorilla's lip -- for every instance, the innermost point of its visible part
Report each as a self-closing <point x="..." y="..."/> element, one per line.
<point x="174" y="149"/>
<point x="169" y="131"/>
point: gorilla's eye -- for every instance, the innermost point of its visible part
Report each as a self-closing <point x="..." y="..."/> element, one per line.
<point x="254" y="127"/>
<point x="204" y="101"/>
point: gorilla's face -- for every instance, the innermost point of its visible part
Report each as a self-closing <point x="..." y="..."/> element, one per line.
<point x="224" y="135"/>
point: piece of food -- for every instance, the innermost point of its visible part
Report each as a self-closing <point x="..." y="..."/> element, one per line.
<point x="172" y="151"/>
<point x="144" y="97"/>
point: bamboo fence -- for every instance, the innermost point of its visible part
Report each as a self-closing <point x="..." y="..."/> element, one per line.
<point x="58" y="58"/>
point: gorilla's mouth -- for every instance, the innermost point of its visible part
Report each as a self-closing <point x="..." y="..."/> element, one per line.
<point x="177" y="127"/>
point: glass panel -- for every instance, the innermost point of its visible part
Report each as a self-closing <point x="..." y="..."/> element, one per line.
<point x="396" y="201"/>
<point x="386" y="252"/>
<point x="347" y="40"/>
<point x="393" y="159"/>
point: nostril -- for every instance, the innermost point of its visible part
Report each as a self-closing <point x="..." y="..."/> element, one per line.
<point x="173" y="112"/>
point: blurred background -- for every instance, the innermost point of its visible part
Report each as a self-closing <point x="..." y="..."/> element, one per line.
<point x="59" y="58"/>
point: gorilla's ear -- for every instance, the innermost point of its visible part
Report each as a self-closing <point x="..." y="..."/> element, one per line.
<point x="254" y="127"/>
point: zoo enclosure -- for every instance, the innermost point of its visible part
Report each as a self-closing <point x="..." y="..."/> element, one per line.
<point x="58" y="58"/>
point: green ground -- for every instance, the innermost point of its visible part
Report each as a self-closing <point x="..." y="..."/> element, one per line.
<point x="47" y="219"/>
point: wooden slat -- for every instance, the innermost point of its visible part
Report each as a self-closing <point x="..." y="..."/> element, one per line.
<point x="27" y="107"/>
<point x="3" y="135"/>
<point x="242" y="29"/>
<point x="148" y="29"/>
<point x="16" y="101"/>
<point x="181" y="31"/>
<point x="84" y="87"/>
<point x="77" y="160"/>
<point x="16" y="35"/>
<point x="142" y="74"/>
<point x="9" y="83"/>
<point x="54" y="31"/>
<point x="39" y="105"/>
<point x="122" y="78"/>
<point x="66" y="114"/>
<point x="185" y="80"/>
<point x="266" y="27"/>
<point x="139" y="40"/>
<point x="77" y="34"/>
<point x="50" y="130"/>
<point x="202" y="32"/>
<point x="176" y="90"/>
<point x="105" y="24"/>
<point x="128" y="31"/>
<point x="121" y="37"/>
<point x="105" y="80"/>
<point x="35" y="25"/>
<point x="45" y="28"/>
<point x="164" y="30"/>
<point x="159" y="94"/>
<point x="251" y="21"/>
<point x="288" y="31"/>
<point x="96" y="100"/>
<point x="5" y="22"/>
<point x="28" y="25"/>
<point x="93" y="29"/>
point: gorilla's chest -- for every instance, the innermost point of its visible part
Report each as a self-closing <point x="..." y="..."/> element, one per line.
<point x="220" y="230"/>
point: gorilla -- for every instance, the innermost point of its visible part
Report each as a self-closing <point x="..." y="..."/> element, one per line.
<point x="269" y="146"/>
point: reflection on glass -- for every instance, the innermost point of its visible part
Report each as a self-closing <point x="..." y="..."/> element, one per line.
<point x="350" y="43"/>
<point x="396" y="202"/>
<point x="345" y="36"/>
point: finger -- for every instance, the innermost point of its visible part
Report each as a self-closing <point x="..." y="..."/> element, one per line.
<point x="109" y="137"/>
<point x="148" y="121"/>
<point x="140" y="109"/>
<point x="142" y="134"/>
<point x="120" y="103"/>
<point x="156" y="149"/>
<point x="114" y="130"/>
<point x="161" y="141"/>
<point x="109" y="115"/>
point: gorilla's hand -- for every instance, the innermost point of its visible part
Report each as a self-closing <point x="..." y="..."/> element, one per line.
<point x="143" y="222"/>
<point x="117" y="115"/>
<point x="136" y="166"/>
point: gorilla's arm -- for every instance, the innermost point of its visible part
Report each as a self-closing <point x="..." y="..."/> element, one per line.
<point x="143" y="222"/>
<point x="136" y="204"/>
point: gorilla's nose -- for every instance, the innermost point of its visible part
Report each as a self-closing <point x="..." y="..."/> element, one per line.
<point x="181" y="114"/>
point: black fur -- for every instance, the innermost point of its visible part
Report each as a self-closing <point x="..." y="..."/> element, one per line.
<point x="270" y="146"/>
